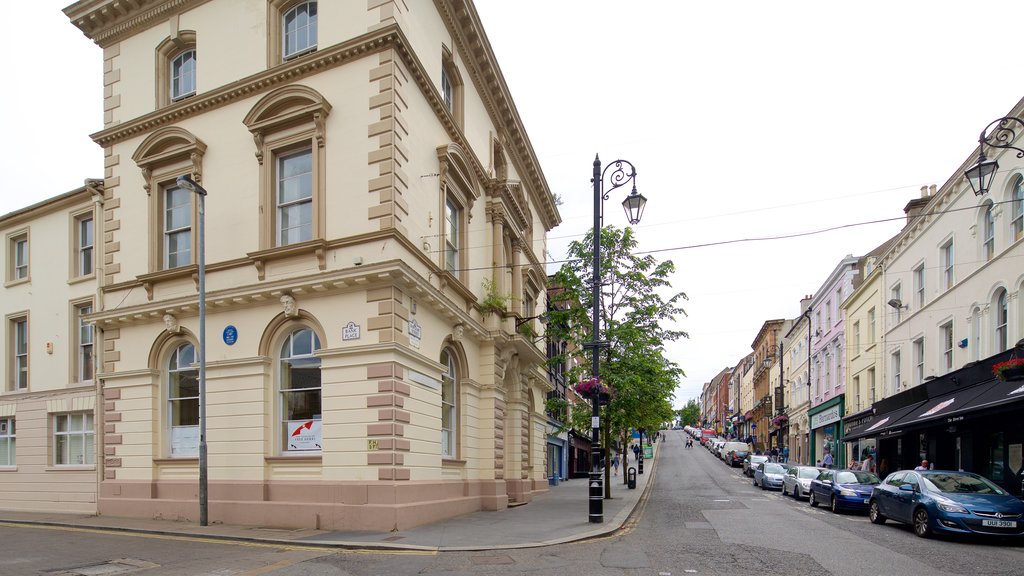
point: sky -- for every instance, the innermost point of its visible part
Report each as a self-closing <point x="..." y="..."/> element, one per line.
<point x="745" y="120"/>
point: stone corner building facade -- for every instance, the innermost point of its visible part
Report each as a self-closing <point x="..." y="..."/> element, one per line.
<point x="370" y="186"/>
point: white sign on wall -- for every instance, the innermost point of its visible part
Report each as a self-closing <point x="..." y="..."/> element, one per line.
<point x="305" y="435"/>
<point x="824" y="418"/>
<point x="350" y="331"/>
<point x="415" y="333"/>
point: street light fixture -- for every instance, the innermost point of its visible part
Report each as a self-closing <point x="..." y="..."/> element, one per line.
<point x="187" y="183"/>
<point x="1002" y="135"/>
<point x="623" y="173"/>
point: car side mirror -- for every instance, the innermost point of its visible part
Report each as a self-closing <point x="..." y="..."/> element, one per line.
<point x="907" y="488"/>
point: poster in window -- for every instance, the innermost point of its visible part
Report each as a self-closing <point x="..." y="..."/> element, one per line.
<point x="304" y="435"/>
<point x="184" y="441"/>
<point x="1014" y="457"/>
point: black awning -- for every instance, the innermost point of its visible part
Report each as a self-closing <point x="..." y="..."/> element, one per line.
<point x="879" y="423"/>
<point x="995" y="394"/>
<point x="944" y="406"/>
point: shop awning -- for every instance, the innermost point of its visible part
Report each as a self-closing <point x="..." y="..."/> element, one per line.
<point x="944" y="406"/>
<point x="996" y="394"/>
<point x="879" y="423"/>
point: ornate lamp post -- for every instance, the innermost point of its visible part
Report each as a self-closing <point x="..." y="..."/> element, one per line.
<point x="998" y="134"/>
<point x="623" y="172"/>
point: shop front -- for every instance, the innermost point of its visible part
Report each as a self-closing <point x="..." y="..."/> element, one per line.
<point x="965" y="420"/>
<point x="826" y="421"/>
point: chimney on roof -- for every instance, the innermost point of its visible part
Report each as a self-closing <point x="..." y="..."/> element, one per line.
<point x="805" y="303"/>
<point x="915" y="207"/>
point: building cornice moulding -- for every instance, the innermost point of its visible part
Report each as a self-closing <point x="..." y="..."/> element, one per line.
<point x="107" y="22"/>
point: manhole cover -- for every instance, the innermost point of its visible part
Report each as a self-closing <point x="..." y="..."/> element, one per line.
<point x="119" y="566"/>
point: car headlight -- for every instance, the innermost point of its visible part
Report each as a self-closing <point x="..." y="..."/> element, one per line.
<point x="952" y="507"/>
<point x="846" y="492"/>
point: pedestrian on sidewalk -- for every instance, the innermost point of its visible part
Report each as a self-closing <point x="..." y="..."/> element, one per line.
<point x="826" y="461"/>
<point x="615" y="465"/>
<point x="636" y="452"/>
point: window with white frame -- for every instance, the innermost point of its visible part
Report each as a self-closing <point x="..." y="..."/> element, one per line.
<point x="183" y="402"/>
<point x="946" y="331"/>
<point x="299" y="29"/>
<point x="919" y="361"/>
<point x="84" y="243"/>
<point x="975" y="333"/>
<point x="895" y="363"/>
<point x="7" y="442"/>
<point x="84" y="367"/>
<point x="948" y="261"/>
<point x="449" y="404"/>
<point x="74" y="442"/>
<point x="452" y="217"/>
<point x="828" y="314"/>
<point x="856" y="388"/>
<point x="896" y="295"/>
<point x="1017" y="210"/>
<point x="919" y="282"/>
<point x="295" y="197"/>
<point x="871" y="385"/>
<point x="300" y="392"/>
<point x="177" y="227"/>
<point x="451" y="86"/>
<point x="18" y="258"/>
<point x="1001" y="318"/>
<point x="988" y="233"/>
<point x="183" y="75"/>
<point x="871" y="325"/>
<point x="856" y="337"/>
<point x="18" y="353"/>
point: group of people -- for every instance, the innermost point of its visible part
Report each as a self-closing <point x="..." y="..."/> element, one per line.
<point x="625" y="459"/>
<point x="775" y="455"/>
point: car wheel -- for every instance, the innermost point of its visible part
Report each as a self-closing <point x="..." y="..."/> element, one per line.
<point x="755" y="481"/>
<point x="835" y="507"/>
<point x="811" y="500"/>
<point x="874" y="514"/>
<point x="784" y="489"/>
<point x="921" y="526"/>
<point x="796" y="492"/>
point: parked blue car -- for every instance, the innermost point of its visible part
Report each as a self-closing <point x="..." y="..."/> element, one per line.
<point x="843" y="489"/>
<point x="947" y="501"/>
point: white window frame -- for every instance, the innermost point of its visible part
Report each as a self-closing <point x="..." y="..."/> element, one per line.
<point x="975" y="343"/>
<point x="286" y="354"/>
<point x="310" y="29"/>
<point x="452" y="233"/>
<point x="178" y="365"/>
<point x="85" y="240"/>
<point x="1001" y="317"/>
<point x="988" y="233"/>
<point x="183" y="74"/>
<point x="896" y="362"/>
<point x="85" y="368"/>
<point x="306" y="184"/>
<point x="449" y="404"/>
<point x="20" y="257"/>
<point x="948" y="264"/>
<point x="1017" y="210"/>
<point x="947" y="345"/>
<point x="19" y="353"/>
<point x="180" y="231"/>
<point x="919" y="285"/>
<point x="871" y="385"/>
<point x="896" y="293"/>
<point x="919" y="361"/>
<point x="872" y="334"/>
<point x="8" y="444"/>
<point x="78" y="425"/>
<point x="856" y="337"/>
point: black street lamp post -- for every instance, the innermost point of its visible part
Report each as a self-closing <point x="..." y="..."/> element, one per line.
<point x="634" y="206"/>
<point x="998" y="134"/>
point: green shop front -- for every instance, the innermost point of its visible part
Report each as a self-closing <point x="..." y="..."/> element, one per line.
<point x="826" y="424"/>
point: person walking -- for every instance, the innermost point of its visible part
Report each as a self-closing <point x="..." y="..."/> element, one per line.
<point x="636" y="452"/>
<point x="615" y="465"/>
<point x="922" y="466"/>
<point x="868" y="464"/>
<point x="785" y="454"/>
<point x="826" y="461"/>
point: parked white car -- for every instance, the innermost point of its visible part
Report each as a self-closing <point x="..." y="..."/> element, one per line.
<point x="797" y="480"/>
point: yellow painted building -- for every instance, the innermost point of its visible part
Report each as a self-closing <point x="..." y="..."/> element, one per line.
<point x="375" y="227"/>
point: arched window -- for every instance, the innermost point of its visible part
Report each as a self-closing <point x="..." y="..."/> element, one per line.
<point x="183" y="75"/>
<point x="1000" y="322"/>
<point x="176" y="68"/>
<point x="989" y="234"/>
<point x="449" y="404"/>
<point x="975" y="334"/>
<point x="183" y="402"/>
<point x="299" y="386"/>
<point x="298" y="29"/>
<point x="1017" y="210"/>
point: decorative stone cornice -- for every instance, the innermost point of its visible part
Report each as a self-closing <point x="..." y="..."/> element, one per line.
<point x="106" y="22"/>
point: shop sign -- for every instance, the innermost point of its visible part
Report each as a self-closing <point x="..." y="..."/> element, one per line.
<point x="825" y="417"/>
<point x="304" y="434"/>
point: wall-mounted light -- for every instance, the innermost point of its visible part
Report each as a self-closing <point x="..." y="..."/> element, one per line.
<point x="897" y="304"/>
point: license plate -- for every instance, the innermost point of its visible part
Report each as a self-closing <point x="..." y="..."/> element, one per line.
<point x="999" y="523"/>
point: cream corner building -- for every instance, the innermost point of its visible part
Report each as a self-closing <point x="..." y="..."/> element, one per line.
<point x="373" y="202"/>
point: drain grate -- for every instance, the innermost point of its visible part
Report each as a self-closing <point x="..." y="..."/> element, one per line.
<point x="118" y="566"/>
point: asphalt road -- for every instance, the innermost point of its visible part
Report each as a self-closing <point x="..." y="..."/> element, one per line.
<point x="700" y="517"/>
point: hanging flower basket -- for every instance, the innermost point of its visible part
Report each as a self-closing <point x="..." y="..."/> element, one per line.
<point x="1010" y="370"/>
<point x="592" y="386"/>
<point x="780" y="420"/>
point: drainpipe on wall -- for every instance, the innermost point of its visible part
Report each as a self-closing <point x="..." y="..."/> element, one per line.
<point x="95" y="187"/>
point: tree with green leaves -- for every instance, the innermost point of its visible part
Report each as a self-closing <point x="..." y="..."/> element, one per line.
<point x="689" y="415"/>
<point x="638" y="316"/>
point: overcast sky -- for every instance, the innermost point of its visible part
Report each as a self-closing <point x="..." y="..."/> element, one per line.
<point x="745" y="119"/>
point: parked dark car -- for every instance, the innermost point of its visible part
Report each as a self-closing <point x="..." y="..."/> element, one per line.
<point x="735" y="458"/>
<point x="843" y="489"/>
<point x="750" y="463"/>
<point x="769" y="475"/>
<point x="947" y="501"/>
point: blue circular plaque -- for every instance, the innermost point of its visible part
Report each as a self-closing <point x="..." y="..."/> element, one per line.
<point x="230" y="335"/>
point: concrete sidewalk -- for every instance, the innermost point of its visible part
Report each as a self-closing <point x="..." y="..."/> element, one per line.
<point x="560" y="515"/>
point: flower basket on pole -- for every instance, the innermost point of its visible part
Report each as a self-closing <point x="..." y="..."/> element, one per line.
<point x="593" y="388"/>
<point x="1010" y="370"/>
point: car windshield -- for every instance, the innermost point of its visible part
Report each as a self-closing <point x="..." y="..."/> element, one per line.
<point x="809" y="473"/>
<point x="856" y="478"/>
<point x="960" y="483"/>
<point x="771" y="468"/>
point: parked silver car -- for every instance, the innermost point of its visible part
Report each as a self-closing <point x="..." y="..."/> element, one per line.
<point x="750" y="463"/>
<point x="769" y="475"/>
<point x="797" y="480"/>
